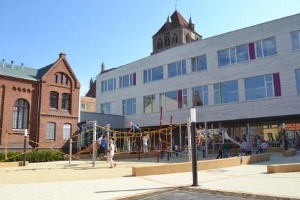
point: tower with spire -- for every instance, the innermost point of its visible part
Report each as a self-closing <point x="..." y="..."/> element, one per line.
<point x="175" y="31"/>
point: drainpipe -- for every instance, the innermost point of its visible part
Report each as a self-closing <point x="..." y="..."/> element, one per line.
<point x="37" y="132"/>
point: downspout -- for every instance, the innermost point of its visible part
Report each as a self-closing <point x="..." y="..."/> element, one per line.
<point x="38" y="114"/>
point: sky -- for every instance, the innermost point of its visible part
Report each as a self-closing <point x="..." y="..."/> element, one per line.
<point x="115" y="32"/>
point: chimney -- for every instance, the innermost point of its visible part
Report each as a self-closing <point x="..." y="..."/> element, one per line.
<point x="62" y="55"/>
<point x="102" y="67"/>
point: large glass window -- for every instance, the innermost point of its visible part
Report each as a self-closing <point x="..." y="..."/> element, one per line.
<point x="65" y="101"/>
<point x="199" y="63"/>
<point x="153" y="74"/>
<point x="266" y="47"/>
<point x="108" y="85"/>
<point x="127" y="80"/>
<point x="242" y="53"/>
<point x="261" y="87"/>
<point x="129" y="106"/>
<point x="66" y="131"/>
<point x="250" y="51"/>
<point x="295" y="37"/>
<point x="200" y="96"/>
<point x="106" y="108"/>
<point x="298" y="80"/>
<point x="174" y="100"/>
<point x="50" y="134"/>
<point x="226" y="56"/>
<point x="54" y="99"/>
<point x="20" y="115"/>
<point x="226" y="92"/>
<point x="149" y="103"/>
<point x="177" y="68"/>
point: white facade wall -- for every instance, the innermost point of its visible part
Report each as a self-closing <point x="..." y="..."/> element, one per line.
<point x="284" y="62"/>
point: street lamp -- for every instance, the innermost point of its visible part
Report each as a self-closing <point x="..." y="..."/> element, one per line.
<point x="194" y="146"/>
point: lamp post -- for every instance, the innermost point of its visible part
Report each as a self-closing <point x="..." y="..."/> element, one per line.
<point x="194" y="146"/>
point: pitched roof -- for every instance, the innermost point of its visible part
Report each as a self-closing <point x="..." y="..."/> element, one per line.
<point x="18" y="71"/>
<point x="176" y="21"/>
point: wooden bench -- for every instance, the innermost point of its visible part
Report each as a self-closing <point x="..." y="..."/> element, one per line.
<point x="283" y="168"/>
<point x="289" y="152"/>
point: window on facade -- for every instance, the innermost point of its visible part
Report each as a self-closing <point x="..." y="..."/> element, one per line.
<point x="129" y="106"/>
<point x="127" y="80"/>
<point x="242" y="53"/>
<point x="66" y="131"/>
<point x="200" y="96"/>
<point x="295" y="37"/>
<point x="298" y="80"/>
<point x="65" y="101"/>
<point x="106" y="108"/>
<point x="50" y="134"/>
<point x="177" y="68"/>
<point x="262" y="87"/>
<point x="167" y="39"/>
<point x="20" y="115"/>
<point x="174" y="100"/>
<point x="61" y="78"/>
<point x="54" y="99"/>
<point x="266" y="47"/>
<point x="153" y="74"/>
<point x="83" y="106"/>
<point x="108" y="85"/>
<point x="149" y="104"/>
<point x="259" y="49"/>
<point x="226" y="92"/>
<point x="199" y="63"/>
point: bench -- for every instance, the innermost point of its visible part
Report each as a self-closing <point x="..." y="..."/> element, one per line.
<point x="283" y="168"/>
<point x="289" y="152"/>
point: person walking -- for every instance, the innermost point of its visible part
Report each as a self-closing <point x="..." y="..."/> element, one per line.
<point x="111" y="153"/>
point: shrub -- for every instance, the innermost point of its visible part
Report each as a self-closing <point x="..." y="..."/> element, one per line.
<point x="33" y="156"/>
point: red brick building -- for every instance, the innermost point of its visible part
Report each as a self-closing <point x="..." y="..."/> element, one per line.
<point x="44" y="101"/>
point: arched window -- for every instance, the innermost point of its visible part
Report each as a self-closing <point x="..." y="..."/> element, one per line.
<point x="65" y="101"/>
<point x="54" y="99"/>
<point x="21" y="112"/>
<point x="188" y="38"/>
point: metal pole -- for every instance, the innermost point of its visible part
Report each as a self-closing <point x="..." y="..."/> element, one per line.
<point x="70" y="151"/>
<point x="94" y="142"/>
<point x="107" y="140"/>
<point x="194" y="146"/>
<point x="24" y="155"/>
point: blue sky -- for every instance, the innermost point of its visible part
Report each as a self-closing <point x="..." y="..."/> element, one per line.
<point x="115" y="32"/>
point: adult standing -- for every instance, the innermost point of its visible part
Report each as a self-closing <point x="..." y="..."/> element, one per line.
<point x="111" y="153"/>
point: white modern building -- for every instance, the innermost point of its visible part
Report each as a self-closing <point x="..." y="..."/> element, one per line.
<point x="247" y="80"/>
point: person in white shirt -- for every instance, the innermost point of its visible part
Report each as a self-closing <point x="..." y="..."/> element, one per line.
<point x="111" y="153"/>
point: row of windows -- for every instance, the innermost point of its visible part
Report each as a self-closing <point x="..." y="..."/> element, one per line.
<point x="21" y="114"/>
<point x="256" y="88"/>
<point x="253" y="50"/>
<point x="54" y="97"/>
<point x="61" y="78"/>
<point x="51" y="131"/>
<point x="245" y="52"/>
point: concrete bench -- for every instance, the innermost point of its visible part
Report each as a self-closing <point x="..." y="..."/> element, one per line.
<point x="169" y="168"/>
<point x="283" y="168"/>
<point x="289" y="152"/>
<point x="13" y="164"/>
